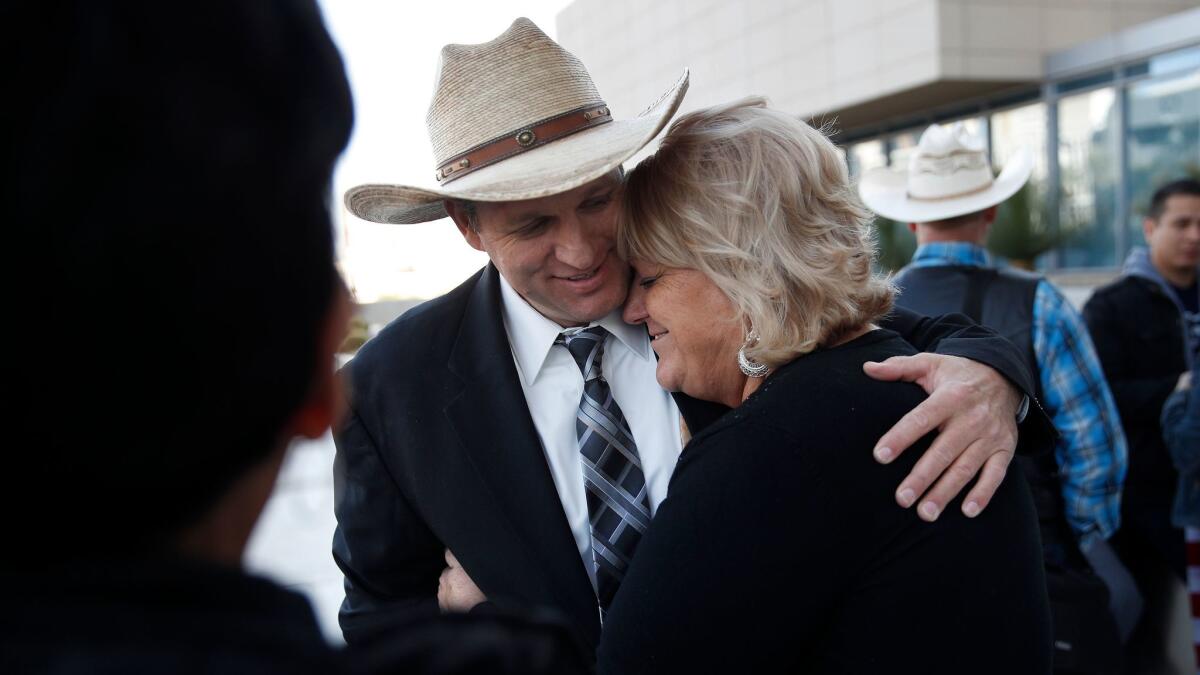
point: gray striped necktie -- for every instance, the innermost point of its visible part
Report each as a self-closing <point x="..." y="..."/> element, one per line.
<point x="618" y="507"/>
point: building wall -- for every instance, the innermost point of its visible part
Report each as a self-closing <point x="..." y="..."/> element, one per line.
<point x="824" y="57"/>
<point x="1105" y="92"/>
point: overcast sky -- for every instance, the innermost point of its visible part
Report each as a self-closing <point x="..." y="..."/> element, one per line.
<point x="391" y="49"/>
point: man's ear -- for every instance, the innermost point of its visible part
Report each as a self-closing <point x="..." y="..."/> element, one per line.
<point x="326" y="400"/>
<point x="319" y="412"/>
<point x="1148" y="225"/>
<point x="459" y="215"/>
<point x="912" y="227"/>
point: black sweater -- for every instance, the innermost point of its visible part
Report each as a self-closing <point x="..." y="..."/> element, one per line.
<point x="1138" y="333"/>
<point x="779" y="547"/>
<point x="176" y="615"/>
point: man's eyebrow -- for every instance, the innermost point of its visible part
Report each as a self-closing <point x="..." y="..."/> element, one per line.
<point x="597" y="191"/>
<point x="522" y="217"/>
<point x="525" y="217"/>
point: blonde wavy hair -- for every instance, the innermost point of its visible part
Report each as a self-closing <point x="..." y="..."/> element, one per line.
<point x="761" y="204"/>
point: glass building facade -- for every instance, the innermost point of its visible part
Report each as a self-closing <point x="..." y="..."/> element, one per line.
<point x="1103" y="142"/>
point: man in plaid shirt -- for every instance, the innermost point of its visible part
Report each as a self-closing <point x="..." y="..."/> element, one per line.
<point x="1091" y="451"/>
<point x="950" y="198"/>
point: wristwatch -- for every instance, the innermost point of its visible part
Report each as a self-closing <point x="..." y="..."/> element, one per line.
<point x="1023" y="409"/>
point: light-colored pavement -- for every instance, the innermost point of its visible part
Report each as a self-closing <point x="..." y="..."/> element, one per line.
<point x="291" y="543"/>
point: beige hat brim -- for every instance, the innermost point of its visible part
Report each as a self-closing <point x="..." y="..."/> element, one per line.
<point x="885" y="192"/>
<point x="556" y="167"/>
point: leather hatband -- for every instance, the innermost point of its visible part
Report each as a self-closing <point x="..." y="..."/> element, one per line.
<point x="523" y="139"/>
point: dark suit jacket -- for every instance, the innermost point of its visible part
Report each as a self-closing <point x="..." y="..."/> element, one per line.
<point x="439" y="451"/>
<point x="1139" y="337"/>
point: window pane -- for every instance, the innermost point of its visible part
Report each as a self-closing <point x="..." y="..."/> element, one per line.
<point x="1028" y="235"/>
<point x="1085" y="82"/>
<point x="976" y="126"/>
<point x="865" y="156"/>
<point x="1163" y="139"/>
<point x="1087" y="158"/>
<point x="902" y="147"/>
<point x="1018" y="128"/>
<point x="1137" y="69"/>
<point x="895" y="244"/>
<point x="1175" y="62"/>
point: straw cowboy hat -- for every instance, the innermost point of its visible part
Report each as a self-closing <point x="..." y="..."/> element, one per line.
<point x="511" y="119"/>
<point x="949" y="175"/>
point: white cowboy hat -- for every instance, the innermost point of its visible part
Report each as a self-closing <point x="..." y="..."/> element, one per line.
<point x="512" y="119"/>
<point x="948" y="175"/>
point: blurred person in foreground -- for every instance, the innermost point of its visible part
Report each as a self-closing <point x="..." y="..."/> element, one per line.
<point x="1146" y="328"/>
<point x="507" y="442"/>
<point x="949" y="197"/>
<point x="777" y="549"/>
<point x="177" y="174"/>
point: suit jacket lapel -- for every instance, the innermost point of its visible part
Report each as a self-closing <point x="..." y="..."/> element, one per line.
<point x="493" y="423"/>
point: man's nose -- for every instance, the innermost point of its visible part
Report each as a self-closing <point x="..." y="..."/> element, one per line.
<point x="577" y="248"/>
<point x="635" y="304"/>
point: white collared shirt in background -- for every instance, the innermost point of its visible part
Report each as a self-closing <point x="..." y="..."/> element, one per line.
<point x="553" y="386"/>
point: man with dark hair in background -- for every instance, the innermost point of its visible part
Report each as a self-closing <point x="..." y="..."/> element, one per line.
<point x="1146" y="327"/>
<point x="175" y="172"/>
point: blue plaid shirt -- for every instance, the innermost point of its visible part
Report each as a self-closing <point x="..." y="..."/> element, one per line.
<point x="1091" y="452"/>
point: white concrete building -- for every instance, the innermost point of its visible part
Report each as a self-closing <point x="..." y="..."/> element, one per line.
<point x="1107" y="91"/>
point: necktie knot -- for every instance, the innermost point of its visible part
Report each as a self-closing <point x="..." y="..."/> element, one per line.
<point x="586" y="346"/>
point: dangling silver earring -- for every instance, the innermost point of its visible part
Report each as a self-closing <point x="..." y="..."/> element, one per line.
<point x="749" y="367"/>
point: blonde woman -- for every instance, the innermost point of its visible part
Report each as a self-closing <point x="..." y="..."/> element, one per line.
<point x="778" y="546"/>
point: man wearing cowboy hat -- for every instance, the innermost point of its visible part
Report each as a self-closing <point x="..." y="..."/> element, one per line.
<point x="949" y="198"/>
<point x="471" y="428"/>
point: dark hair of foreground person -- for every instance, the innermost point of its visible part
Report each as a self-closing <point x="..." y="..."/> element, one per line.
<point x="170" y="179"/>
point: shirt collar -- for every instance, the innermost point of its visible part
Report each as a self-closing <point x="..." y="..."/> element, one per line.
<point x="532" y="335"/>
<point x="951" y="253"/>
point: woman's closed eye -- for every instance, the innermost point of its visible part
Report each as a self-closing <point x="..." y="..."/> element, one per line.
<point x="647" y="282"/>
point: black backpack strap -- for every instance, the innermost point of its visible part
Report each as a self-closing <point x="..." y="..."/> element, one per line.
<point x="977" y="287"/>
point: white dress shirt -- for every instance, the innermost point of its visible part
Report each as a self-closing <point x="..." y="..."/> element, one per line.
<point x="553" y="386"/>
